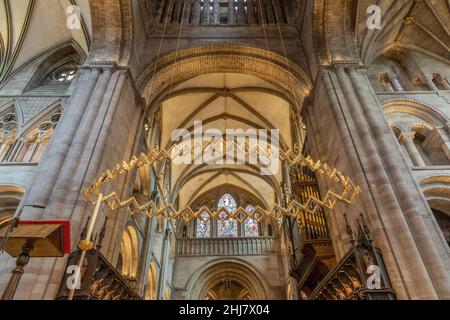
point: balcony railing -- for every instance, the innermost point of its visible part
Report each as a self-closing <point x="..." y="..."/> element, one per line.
<point x="227" y="246"/>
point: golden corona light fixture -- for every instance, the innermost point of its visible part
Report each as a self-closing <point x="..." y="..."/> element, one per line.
<point x="300" y="211"/>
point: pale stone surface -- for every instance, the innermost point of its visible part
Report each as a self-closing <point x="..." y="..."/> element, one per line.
<point x="355" y="121"/>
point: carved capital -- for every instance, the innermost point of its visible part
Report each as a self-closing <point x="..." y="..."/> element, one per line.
<point x="406" y="136"/>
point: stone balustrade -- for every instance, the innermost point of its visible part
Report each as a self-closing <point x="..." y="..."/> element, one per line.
<point x="227" y="246"/>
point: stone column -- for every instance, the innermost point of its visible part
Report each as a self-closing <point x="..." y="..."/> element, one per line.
<point x="187" y="11"/>
<point x="407" y="139"/>
<point x="395" y="83"/>
<point x="231" y="12"/>
<point x="83" y="145"/>
<point x="270" y="12"/>
<point x="418" y="215"/>
<point x="444" y="139"/>
<point x="409" y="64"/>
<point x="196" y="12"/>
<point x="278" y="11"/>
<point x="162" y="271"/>
<point x="241" y="14"/>
<point x="251" y="12"/>
<point x="290" y="13"/>
<point x="429" y="82"/>
<point x="386" y="198"/>
<point x="38" y="194"/>
<point x="168" y="12"/>
<point x="216" y="12"/>
<point x="177" y="11"/>
<point x="205" y="15"/>
<point x="446" y="83"/>
<point x="159" y="10"/>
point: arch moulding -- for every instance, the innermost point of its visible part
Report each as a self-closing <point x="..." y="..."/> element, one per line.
<point x="211" y="274"/>
<point x="159" y="78"/>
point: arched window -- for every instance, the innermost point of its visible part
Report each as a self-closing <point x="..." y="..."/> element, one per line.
<point x="269" y="230"/>
<point x="150" y="290"/>
<point x="251" y="228"/>
<point x="385" y="82"/>
<point x="36" y="141"/>
<point x="9" y="201"/>
<point x="160" y="224"/>
<point x="227" y="227"/>
<point x="203" y="226"/>
<point x="443" y="221"/>
<point x="65" y="74"/>
<point x="225" y="224"/>
<point x="227" y="202"/>
<point x="8" y="132"/>
<point x="129" y="252"/>
<point x="167" y="294"/>
<point x="440" y="82"/>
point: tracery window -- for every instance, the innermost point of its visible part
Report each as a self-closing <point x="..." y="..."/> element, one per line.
<point x="8" y="132"/>
<point x="224" y="226"/>
<point x="227" y="228"/>
<point x="251" y="225"/>
<point x="203" y="226"/>
<point x="35" y="143"/>
<point x="66" y="74"/>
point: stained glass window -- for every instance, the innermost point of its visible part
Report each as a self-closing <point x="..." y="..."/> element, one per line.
<point x="250" y="224"/>
<point x="66" y="74"/>
<point x="227" y="228"/>
<point x="227" y="201"/>
<point x="203" y="227"/>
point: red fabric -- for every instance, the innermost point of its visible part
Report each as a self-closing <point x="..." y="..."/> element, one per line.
<point x="65" y="231"/>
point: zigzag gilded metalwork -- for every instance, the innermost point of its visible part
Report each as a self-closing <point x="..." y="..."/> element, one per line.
<point x="295" y="209"/>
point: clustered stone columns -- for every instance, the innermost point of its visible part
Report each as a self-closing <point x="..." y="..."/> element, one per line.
<point x="392" y="199"/>
<point x="407" y="139"/>
<point x="77" y="151"/>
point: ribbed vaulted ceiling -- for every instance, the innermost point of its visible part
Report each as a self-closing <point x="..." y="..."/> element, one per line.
<point x="422" y="25"/>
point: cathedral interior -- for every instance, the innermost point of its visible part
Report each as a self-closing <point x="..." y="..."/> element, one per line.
<point x="93" y="206"/>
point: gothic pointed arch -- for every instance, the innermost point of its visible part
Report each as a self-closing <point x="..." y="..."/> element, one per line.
<point x="10" y="197"/>
<point x="129" y="252"/>
<point x="9" y="128"/>
<point x="231" y="270"/>
<point x="63" y="58"/>
<point x="429" y="114"/>
<point x="36" y="135"/>
<point x="151" y="288"/>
